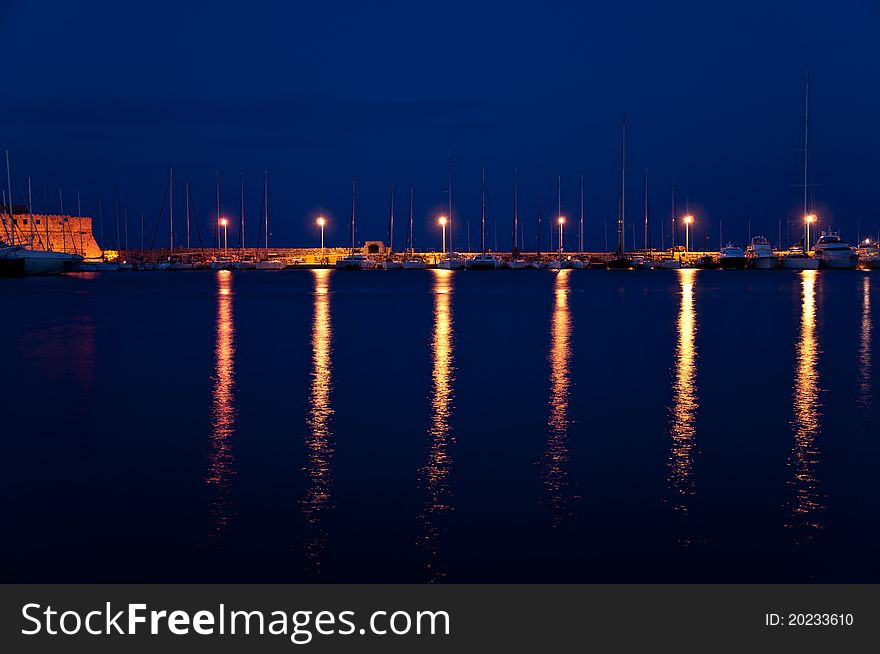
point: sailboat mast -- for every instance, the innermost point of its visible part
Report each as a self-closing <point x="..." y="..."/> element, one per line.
<point x="217" y="221"/>
<point x="266" y="192"/>
<point x="79" y="216"/>
<point x="449" y="194"/>
<point x="116" y="210"/>
<point x="31" y="210"/>
<point x="515" y="211"/>
<point x="126" y="230"/>
<point x="186" y="199"/>
<point x="674" y="240"/>
<point x="9" y="199"/>
<point x="241" y="235"/>
<point x="351" y="246"/>
<point x="647" y="221"/>
<point x="621" y="218"/>
<point x="170" y="211"/>
<point x="391" y="224"/>
<point x="538" y="232"/>
<point x="61" y="203"/>
<point x="558" y="197"/>
<point x="806" y="157"/>
<point x="46" y="210"/>
<point x="581" y="219"/>
<point x="483" y="211"/>
<point x="410" y="230"/>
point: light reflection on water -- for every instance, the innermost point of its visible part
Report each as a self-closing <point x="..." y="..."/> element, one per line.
<point x="865" y="332"/>
<point x="319" y="443"/>
<point x="555" y="471"/>
<point x="806" y="504"/>
<point x="682" y="427"/>
<point x="435" y="475"/>
<point x="221" y="457"/>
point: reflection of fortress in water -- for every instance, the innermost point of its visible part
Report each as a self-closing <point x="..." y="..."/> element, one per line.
<point x="71" y="234"/>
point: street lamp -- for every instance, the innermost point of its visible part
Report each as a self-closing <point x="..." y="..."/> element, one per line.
<point x="321" y="222"/>
<point x="224" y="223"/>
<point x="688" y="219"/>
<point x="809" y="219"/>
<point x="561" y="222"/>
<point x="442" y="220"/>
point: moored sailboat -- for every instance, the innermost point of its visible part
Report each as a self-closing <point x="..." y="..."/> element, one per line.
<point x="353" y="260"/>
<point x="411" y="261"/>
<point x="620" y="260"/>
<point x="485" y="260"/>
<point x="800" y="259"/>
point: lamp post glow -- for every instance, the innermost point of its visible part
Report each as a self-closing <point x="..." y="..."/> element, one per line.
<point x="442" y="220"/>
<point x="224" y="223"/>
<point x="808" y="220"/>
<point x="321" y="222"/>
<point x="561" y="221"/>
<point x="688" y="219"/>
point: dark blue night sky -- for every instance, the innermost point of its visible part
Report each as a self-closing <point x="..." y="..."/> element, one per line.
<point x="99" y="95"/>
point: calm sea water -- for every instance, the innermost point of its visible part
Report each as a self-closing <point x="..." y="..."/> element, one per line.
<point x="434" y="426"/>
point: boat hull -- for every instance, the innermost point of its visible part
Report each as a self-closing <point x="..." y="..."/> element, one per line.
<point x="269" y="265"/>
<point x="733" y="263"/>
<point x="481" y="263"/>
<point x="516" y="264"/>
<point x="763" y="263"/>
<point x="839" y="263"/>
<point x="668" y="264"/>
<point x="800" y="263"/>
<point x="451" y="264"/>
<point x="11" y="267"/>
<point x="621" y="263"/>
<point x="414" y="264"/>
<point x="38" y="262"/>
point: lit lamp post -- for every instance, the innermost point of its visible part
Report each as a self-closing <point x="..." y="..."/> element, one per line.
<point x="561" y="222"/>
<point x="442" y="221"/>
<point x="321" y="222"/>
<point x="808" y="220"/>
<point x="688" y="219"/>
<point x="224" y="223"/>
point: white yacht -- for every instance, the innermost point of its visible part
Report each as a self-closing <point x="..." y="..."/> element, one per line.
<point x="642" y="263"/>
<point x="391" y="264"/>
<point x="832" y="252"/>
<point x="668" y="264"/>
<point x="538" y="264"/>
<point x="414" y="263"/>
<point x="516" y="263"/>
<point x="798" y="260"/>
<point x="452" y="261"/>
<point x="485" y="261"/>
<point x="353" y="261"/>
<point x="175" y="262"/>
<point x="557" y="264"/>
<point x="19" y="260"/>
<point x="244" y="264"/>
<point x="732" y="258"/>
<point x="869" y="256"/>
<point x="272" y="263"/>
<point x="760" y="254"/>
<point x="220" y="263"/>
<point x="579" y="263"/>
